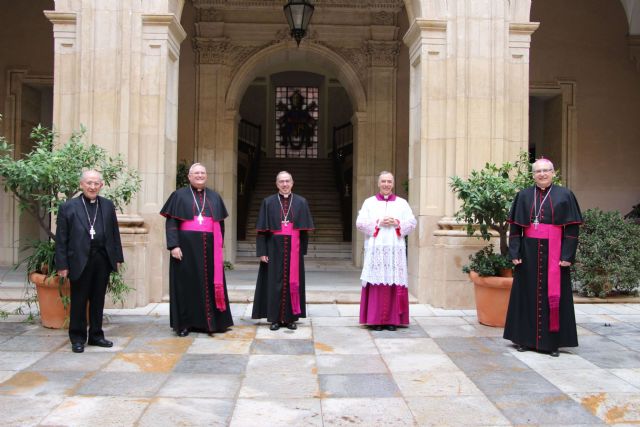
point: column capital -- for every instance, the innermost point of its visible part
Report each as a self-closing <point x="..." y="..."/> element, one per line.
<point x="383" y="53"/>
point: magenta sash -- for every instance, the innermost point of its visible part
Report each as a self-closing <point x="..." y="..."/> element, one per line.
<point x="210" y="226"/>
<point x="294" y="265"/>
<point x="554" y="234"/>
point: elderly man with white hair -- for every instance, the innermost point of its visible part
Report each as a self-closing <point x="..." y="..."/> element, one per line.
<point x="543" y="239"/>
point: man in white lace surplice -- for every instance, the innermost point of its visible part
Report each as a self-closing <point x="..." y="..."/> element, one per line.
<point x="385" y="219"/>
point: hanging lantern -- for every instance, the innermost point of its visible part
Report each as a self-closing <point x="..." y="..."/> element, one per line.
<point x="298" y="13"/>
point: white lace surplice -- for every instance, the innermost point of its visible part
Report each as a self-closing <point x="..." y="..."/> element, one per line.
<point x="385" y="258"/>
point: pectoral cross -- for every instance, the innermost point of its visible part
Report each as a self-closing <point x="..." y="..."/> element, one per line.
<point x="535" y="223"/>
<point x="285" y="222"/>
<point x="200" y="219"/>
<point x="92" y="232"/>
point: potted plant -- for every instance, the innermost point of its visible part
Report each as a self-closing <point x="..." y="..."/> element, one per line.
<point x="486" y="197"/>
<point x="608" y="255"/>
<point x="40" y="182"/>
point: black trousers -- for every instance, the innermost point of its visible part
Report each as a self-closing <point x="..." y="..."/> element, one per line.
<point x="90" y="287"/>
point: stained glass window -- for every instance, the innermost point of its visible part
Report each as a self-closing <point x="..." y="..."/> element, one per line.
<point x="296" y="122"/>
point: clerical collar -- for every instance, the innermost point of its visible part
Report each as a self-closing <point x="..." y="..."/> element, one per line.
<point x="197" y="189"/>
<point x="285" y="196"/>
<point x="543" y="189"/>
<point x="390" y="198"/>
<point x="89" y="200"/>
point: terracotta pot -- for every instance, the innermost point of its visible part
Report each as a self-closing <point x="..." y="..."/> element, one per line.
<point x="53" y="313"/>
<point x="492" y="298"/>
<point x="506" y="272"/>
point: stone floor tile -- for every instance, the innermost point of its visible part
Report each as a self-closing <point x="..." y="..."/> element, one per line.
<point x="336" y="321"/>
<point x="171" y="344"/>
<point x="343" y="340"/>
<point x="143" y="362"/>
<point x="322" y="310"/>
<point x="482" y="362"/>
<point x="624" y="309"/>
<point x="612" y="408"/>
<point x="219" y="346"/>
<point x="631" y="341"/>
<point x="279" y="413"/>
<point x="501" y="382"/>
<point x="282" y="346"/>
<point x="63" y="361"/>
<point x="160" y="310"/>
<point x="212" y="363"/>
<point x="632" y="376"/>
<point x="248" y="311"/>
<point x="589" y="380"/>
<point x="358" y="385"/>
<point x="456" y="411"/>
<point x="408" y="346"/>
<point x="46" y="332"/>
<point x="608" y="329"/>
<point x="411" y="331"/>
<point x="238" y="309"/>
<point x="26" y="411"/>
<point x="474" y="345"/>
<point x="41" y="383"/>
<point x="103" y="411"/>
<point x="419" y="362"/>
<point x="34" y="343"/>
<point x="487" y="331"/>
<point x="607" y="359"/>
<point x="381" y="411"/>
<point x="543" y="408"/>
<point x="441" y="321"/>
<point x="349" y="310"/>
<point x="187" y="412"/>
<point x="630" y="318"/>
<point x="420" y="310"/>
<point x="447" y="313"/>
<point x="542" y="362"/>
<point x="140" y="384"/>
<point x="302" y="333"/>
<point x="435" y="383"/>
<point x="305" y="364"/>
<point x="5" y="375"/>
<point x="583" y="332"/>
<point x="236" y="332"/>
<point x="17" y="360"/>
<point x="595" y="308"/>
<point x="10" y="327"/>
<point x="438" y="331"/>
<point x="350" y="364"/>
<point x="119" y="343"/>
<point x="138" y="311"/>
<point x="266" y="385"/>
<point x="201" y="385"/>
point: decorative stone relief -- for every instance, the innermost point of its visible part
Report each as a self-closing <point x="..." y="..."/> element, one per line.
<point x="383" y="53"/>
<point x="221" y="51"/>
<point x="208" y="15"/>
<point x="342" y="4"/>
<point x="382" y="18"/>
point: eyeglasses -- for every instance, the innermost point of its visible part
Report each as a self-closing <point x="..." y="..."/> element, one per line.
<point x="539" y="171"/>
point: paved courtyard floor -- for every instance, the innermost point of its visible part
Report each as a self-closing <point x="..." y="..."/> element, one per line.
<point x="445" y="369"/>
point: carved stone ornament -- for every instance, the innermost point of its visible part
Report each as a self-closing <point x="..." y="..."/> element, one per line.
<point x="208" y="15"/>
<point x="383" y="53"/>
<point x="326" y="4"/>
<point x="382" y="18"/>
<point x="221" y="51"/>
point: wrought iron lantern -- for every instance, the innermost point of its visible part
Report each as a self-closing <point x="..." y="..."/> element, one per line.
<point x="298" y="13"/>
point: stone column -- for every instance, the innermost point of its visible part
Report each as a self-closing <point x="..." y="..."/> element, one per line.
<point x="468" y="106"/>
<point x="116" y="72"/>
<point x="216" y="128"/>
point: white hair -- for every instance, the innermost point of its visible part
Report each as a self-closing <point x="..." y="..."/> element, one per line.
<point x="194" y="165"/>
<point x="542" y="160"/>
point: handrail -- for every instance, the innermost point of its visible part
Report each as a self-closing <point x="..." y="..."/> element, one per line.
<point x="249" y="141"/>
<point x="342" y="146"/>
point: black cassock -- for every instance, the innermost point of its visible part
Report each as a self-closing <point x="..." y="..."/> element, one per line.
<point x="272" y="297"/>
<point x="191" y="288"/>
<point x="527" y="321"/>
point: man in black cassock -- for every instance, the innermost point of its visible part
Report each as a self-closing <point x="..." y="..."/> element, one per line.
<point x="543" y="240"/>
<point x="283" y="224"/>
<point x="195" y="234"/>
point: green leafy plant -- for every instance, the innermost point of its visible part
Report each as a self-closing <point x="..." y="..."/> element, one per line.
<point x="182" y="174"/>
<point x="486" y="197"/>
<point x="49" y="174"/>
<point x="608" y="255"/>
<point x="486" y="262"/>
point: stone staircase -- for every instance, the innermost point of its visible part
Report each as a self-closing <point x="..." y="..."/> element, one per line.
<point x="314" y="180"/>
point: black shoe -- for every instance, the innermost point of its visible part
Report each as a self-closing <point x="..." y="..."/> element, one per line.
<point x="521" y="348"/>
<point x="101" y="342"/>
<point x="274" y="326"/>
<point x="554" y="353"/>
<point x="292" y="325"/>
<point x="390" y="327"/>
<point x="77" y="347"/>
<point x="377" y="327"/>
<point x="183" y="332"/>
